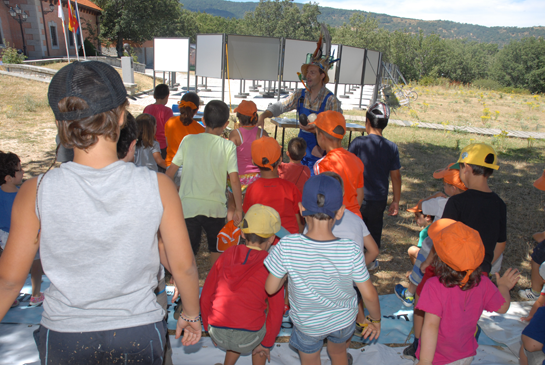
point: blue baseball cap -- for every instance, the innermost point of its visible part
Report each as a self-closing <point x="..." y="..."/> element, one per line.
<point x="327" y="186"/>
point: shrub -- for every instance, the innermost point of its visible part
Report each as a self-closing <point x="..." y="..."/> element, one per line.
<point x="90" y="49"/>
<point x="487" y="84"/>
<point x="11" y="55"/>
<point x="428" y="81"/>
<point x="514" y="90"/>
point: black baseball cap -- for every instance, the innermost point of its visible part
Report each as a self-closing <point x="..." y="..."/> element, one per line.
<point x="98" y="83"/>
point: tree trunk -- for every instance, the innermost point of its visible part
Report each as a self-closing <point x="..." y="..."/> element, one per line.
<point x="119" y="46"/>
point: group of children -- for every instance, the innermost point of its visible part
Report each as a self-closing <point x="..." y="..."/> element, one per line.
<point x="305" y="233"/>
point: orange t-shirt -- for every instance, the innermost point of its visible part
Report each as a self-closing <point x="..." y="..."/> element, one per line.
<point x="296" y="173"/>
<point x="175" y="131"/>
<point x="350" y="169"/>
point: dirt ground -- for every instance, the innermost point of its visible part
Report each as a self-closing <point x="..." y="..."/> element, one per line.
<point x="28" y="129"/>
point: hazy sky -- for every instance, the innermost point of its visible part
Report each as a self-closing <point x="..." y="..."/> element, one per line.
<point x="516" y="13"/>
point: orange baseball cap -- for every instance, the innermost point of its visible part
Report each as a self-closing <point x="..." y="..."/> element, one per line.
<point x="417" y="208"/>
<point x="265" y="152"/>
<point x="540" y="183"/>
<point x="457" y="245"/>
<point x="331" y="122"/>
<point x="451" y="177"/>
<point x="247" y="108"/>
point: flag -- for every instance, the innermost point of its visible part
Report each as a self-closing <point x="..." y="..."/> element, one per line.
<point x="77" y="19"/>
<point x="72" y="21"/>
<point x="61" y="13"/>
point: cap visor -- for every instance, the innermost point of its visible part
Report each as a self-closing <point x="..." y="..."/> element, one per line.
<point x="414" y="210"/>
<point x="456" y="166"/>
<point x="439" y="174"/>
<point x="282" y="232"/>
<point x="540" y="183"/>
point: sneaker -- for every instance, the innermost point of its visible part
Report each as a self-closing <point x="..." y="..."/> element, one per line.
<point x="373" y="265"/>
<point x="528" y="294"/>
<point x="359" y="329"/>
<point x="286" y="310"/>
<point x="350" y="358"/>
<point x="15" y="304"/>
<point x="36" y="301"/>
<point x="410" y="351"/>
<point x="401" y="293"/>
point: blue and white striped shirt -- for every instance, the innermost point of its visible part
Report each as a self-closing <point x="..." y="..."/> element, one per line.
<point x="321" y="274"/>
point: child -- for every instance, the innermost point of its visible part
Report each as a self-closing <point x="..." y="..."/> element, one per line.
<point x="11" y="176"/>
<point x="295" y="171"/>
<point x="540" y="301"/>
<point x="422" y="220"/>
<point x="478" y="208"/>
<point x="98" y="220"/>
<point x="330" y="130"/>
<point x="321" y="269"/>
<point x="269" y="189"/>
<point x="432" y="207"/>
<point x="531" y="351"/>
<point x="233" y="300"/>
<point x="381" y="160"/>
<point x="455" y="299"/>
<point x="243" y="138"/>
<point x="207" y="159"/>
<point x="162" y="114"/>
<point x="176" y="128"/>
<point x="537" y="257"/>
<point x="147" y="152"/>
<point x="126" y="144"/>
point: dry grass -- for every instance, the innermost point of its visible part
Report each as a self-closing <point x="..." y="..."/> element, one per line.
<point x="28" y="129"/>
<point x="460" y="105"/>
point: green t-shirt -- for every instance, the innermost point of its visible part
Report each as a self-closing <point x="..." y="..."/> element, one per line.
<point x="206" y="160"/>
<point x="423" y="235"/>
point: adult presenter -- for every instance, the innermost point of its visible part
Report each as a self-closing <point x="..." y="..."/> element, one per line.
<point x="315" y="98"/>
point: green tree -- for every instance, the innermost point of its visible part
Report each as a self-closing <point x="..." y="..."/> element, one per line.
<point x="139" y="20"/>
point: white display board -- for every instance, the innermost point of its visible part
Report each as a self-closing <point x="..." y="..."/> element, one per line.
<point x="371" y="68"/>
<point x="209" y="55"/>
<point x="351" y="67"/>
<point x="295" y="54"/>
<point x="253" y="58"/>
<point x="171" y="54"/>
<point x="333" y="70"/>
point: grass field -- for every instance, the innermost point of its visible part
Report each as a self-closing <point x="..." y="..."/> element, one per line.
<point x="28" y="129"/>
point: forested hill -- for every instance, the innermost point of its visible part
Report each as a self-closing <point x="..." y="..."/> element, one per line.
<point x="336" y="17"/>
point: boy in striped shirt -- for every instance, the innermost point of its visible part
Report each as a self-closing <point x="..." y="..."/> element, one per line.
<point x="321" y="269"/>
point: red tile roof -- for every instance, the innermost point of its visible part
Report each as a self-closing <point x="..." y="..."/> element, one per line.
<point x="89" y="4"/>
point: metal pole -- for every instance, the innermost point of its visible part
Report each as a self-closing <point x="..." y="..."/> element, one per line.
<point x="20" y="21"/>
<point x="223" y="68"/>
<point x="363" y="76"/>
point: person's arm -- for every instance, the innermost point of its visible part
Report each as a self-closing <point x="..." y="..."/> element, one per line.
<point x="428" y="341"/>
<point x="171" y="171"/>
<point x="208" y="290"/>
<point x="359" y="195"/>
<point x="274" y="318"/>
<point x="500" y="247"/>
<point x="262" y="117"/>
<point x="370" y="298"/>
<point x="372" y="249"/>
<point x="159" y="160"/>
<point x="395" y="176"/>
<point x="237" y="194"/>
<point x="539" y="236"/>
<point x="273" y="284"/>
<point x="181" y="259"/>
<point x="21" y="246"/>
<point x="540" y="302"/>
<point x="234" y="137"/>
<point x="505" y="283"/>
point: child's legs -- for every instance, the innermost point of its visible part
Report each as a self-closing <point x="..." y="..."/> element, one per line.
<point x="310" y="359"/>
<point x="230" y="206"/>
<point x="194" y="229"/>
<point x="36" y="277"/>
<point x="532" y="351"/>
<point x="373" y="216"/>
<point x="258" y="359"/>
<point x="337" y="352"/>
<point x="413" y="253"/>
<point x="231" y="357"/>
<point x="212" y="227"/>
<point x="537" y="280"/>
<point x="309" y="347"/>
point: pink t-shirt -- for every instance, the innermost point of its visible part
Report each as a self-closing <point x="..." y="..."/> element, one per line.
<point x="459" y="311"/>
<point x="162" y="114"/>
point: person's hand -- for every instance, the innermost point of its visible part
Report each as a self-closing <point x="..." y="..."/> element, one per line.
<point x="309" y="127"/>
<point x="526" y="319"/>
<point x="394" y="209"/>
<point x="175" y="295"/>
<point x="372" y="330"/>
<point x="237" y="216"/>
<point x="262" y="351"/>
<point x="510" y="278"/>
<point x="192" y="331"/>
<point x="423" y="267"/>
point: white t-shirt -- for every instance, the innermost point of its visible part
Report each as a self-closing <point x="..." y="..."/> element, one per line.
<point x="434" y="207"/>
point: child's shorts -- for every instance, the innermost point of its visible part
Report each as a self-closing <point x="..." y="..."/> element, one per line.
<point x="240" y="341"/>
<point x="311" y="344"/>
<point x="534" y="329"/>
<point x="417" y="275"/>
<point x="538" y="255"/>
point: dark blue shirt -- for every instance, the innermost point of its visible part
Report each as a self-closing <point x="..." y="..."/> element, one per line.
<point x="379" y="157"/>
<point x="6" y="202"/>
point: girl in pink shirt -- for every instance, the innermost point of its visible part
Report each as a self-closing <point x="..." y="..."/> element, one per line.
<point x="455" y="299"/>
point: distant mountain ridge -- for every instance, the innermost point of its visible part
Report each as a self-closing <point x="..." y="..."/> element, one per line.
<point x="336" y="17"/>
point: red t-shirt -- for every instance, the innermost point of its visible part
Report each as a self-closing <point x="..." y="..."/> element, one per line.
<point x="350" y="169"/>
<point x="279" y="194"/>
<point x="295" y="172"/>
<point x="162" y="114"/>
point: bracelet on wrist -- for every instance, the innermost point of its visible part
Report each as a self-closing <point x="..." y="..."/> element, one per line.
<point x="190" y="320"/>
<point x="373" y="320"/>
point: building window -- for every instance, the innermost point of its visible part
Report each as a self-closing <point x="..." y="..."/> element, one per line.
<point x="2" y="45"/>
<point x="53" y="34"/>
<point x="78" y="40"/>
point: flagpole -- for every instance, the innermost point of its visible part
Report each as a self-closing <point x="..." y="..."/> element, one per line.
<point x="80" y="31"/>
<point x="60" y="14"/>
<point x="75" y="43"/>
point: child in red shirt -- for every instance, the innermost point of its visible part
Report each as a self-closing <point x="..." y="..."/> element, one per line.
<point x="269" y="189"/>
<point x="295" y="171"/>
<point x="162" y="113"/>
<point x="234" y="301"/>
<point x="330" y="130"/>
